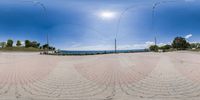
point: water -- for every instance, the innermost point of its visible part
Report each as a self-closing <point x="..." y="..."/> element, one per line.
<point x="67" y="52"/>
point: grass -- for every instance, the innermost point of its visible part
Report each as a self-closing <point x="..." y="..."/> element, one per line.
<point x="19" y="49"/>
<point x="197" y="50"/>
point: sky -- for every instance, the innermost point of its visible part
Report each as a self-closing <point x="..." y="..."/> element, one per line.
<point x="94" y="24"/>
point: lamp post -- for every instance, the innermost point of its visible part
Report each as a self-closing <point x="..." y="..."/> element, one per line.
<point x="118" y="24"/>
<point x="153" y="15"/>
<point x="45" y="14"/>
<point x="115" y="45"/>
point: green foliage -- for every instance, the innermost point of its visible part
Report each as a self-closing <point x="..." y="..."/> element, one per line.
<point x="27" y="43"/>
<point x="18" y="43"/>
<point x="31" y="49"/>
<point x="165" y="47"/>
<point x="195" y="45"/>
<point x="29" y="46"/>
<point x="45" y="46"/>
<point x="180" y="43"/>
<point x="153" y="48"/>
<point x="2" y="44"/>
<point x="34" y="44"/>
<point x="52" y="48"/>
<point x="9" y="43"/>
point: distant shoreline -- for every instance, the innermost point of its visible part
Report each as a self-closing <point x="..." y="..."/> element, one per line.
<point x="95" y="52"/>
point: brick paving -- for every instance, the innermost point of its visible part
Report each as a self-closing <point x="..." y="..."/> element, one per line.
<point x="139" y="76"/>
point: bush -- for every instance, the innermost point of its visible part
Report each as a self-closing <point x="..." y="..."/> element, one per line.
<point x="165" y="47"/>
<point x="154" y="48"/>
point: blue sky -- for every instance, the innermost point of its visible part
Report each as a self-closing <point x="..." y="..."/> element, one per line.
<point x="79" y="24"/>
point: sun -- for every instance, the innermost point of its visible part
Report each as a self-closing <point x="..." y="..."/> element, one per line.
<point x="107" y="15"/>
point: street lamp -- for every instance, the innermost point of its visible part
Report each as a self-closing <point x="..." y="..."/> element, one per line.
<point x="45" y="14"/>
<point x="118" y="24"/>
<point x="153" y="15"/>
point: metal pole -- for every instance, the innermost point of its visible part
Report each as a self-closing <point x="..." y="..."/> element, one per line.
<point x="115" y="45"/>
<point x="44" y="8"/>
<point x="153" y="14"/>
<point x="118" y="24"/>
<point x="47" y="43"/>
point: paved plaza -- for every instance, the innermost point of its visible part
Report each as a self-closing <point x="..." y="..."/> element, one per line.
<point x="131" y="76"/>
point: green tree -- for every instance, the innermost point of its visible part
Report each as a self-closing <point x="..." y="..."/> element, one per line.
<point x="3" y="44"/>
<point x="52" y="48"/>
<point x="153" y="48"/>
<point x="35" y="44"/>
<point x="45" y="46"/>
<point x="18" y="43"/>
<point x="180" y="43"/>
<point x="27" y="43"/>
<point x="9" y="43"/>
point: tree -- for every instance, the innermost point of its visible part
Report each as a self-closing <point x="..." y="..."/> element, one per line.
<point x="45" y="46"/>
<point x="18" y="43"/>
<point x="9" y="43"/>
<point x="154" y="48"/>
<point x="38" y="45"/>
<point x="35" y="44"/>
<point x="27" y="43"/>
<point x="180" y="43"/>
<point x="2" y="44"/>
<point x="52" y="48"/>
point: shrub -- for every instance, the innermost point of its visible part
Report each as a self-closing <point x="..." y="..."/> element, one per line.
<point x="154" y="48"/>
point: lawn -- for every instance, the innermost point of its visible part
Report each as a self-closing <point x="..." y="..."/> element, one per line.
<point x="30" y="49"/>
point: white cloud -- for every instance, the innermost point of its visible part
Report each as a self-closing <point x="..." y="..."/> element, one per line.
<point x="188" y="36"/>
<point x="149" y="43"/>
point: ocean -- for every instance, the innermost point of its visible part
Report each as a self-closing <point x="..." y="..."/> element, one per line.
<point x="68" y="52"/>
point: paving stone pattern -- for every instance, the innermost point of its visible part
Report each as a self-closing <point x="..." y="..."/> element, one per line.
<point x="137" y="76"/>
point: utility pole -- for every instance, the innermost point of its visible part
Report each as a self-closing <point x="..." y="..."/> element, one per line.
<point x="47" y="43"/>
<point x="115" y="45"/>
<point x="155" y="41"/>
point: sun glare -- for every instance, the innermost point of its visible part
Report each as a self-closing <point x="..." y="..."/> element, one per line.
<point x="107" y="15"/>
